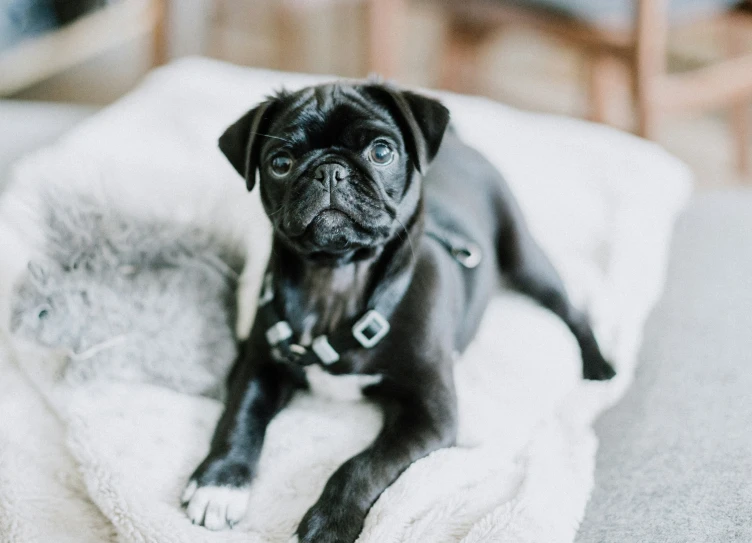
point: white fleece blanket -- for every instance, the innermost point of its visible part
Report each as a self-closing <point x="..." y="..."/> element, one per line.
<point x="108" y="461"/>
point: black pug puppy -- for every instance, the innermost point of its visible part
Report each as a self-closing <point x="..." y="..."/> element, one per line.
<point x="380" y="272"/>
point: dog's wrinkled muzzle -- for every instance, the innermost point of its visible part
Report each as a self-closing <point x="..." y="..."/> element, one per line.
<point x="332" y="230"/>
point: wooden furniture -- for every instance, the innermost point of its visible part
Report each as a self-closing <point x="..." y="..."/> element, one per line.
<point x="636" y="53"/>
<point x="40" y="57"/>
<point x="383" y="20"/>
<point x="378" y="43"/>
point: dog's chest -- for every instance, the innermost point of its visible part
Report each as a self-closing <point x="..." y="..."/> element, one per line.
<point x="329" y="299"/>
<point x="326" y="299"/>
<point x="345" y="387"/>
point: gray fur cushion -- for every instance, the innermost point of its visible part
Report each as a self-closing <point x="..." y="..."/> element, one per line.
<point x="130" y="299"/>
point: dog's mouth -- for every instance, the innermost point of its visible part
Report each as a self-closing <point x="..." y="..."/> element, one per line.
<point x="332" y="216"/>
<point x="333" y="230"/>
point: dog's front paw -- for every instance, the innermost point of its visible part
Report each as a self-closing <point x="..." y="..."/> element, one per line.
<point x="330" y="524"/>
<point x="595" y="367"/>
<point x="215" y="507"/>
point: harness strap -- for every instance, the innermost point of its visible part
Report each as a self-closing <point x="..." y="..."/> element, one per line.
<point x="464" y="251"/>
<point x="367" y="331"/>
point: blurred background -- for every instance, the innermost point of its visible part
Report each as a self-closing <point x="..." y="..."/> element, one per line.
<point x="676" y="71"/>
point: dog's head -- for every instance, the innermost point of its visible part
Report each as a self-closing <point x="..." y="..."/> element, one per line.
<point x="339" y="164"/>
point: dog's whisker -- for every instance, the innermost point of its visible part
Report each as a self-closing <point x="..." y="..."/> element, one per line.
<point x="407" y="234"/>
<point x="273" y="137"/>
<point x="280" y="209"/>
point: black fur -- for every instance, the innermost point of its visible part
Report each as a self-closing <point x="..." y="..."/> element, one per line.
<point x="345" y="227"/>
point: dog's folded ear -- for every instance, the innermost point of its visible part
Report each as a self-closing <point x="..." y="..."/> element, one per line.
<point x="423" y="121"/>
<point x="240" y="143"/>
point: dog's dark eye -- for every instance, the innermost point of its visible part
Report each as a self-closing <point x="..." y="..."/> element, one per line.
<point x="381" y="154"/>
<point x="281" y="164"/>
<point x="43" y="313"/>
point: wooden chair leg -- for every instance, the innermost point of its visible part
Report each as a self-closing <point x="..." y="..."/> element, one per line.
<point x="289" y="42"/>
<point x="597" y="87"/>
<point x="608" y="88"/>
<point x="740" y="115"/>
<point x="159" y="33"/>
<point x="461" y="58"/>
<point x="740" y="122"/>
<point x="648" y="116"/>
<point x="385" y="37"/>
<point x="649" y="63"/>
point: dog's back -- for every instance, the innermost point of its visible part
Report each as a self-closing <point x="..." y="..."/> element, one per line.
<point x="463" y="197"/>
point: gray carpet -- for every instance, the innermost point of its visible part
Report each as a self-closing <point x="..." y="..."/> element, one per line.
<point x="675" y="456"/>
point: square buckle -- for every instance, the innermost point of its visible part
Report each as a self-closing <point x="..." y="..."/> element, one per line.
<point x="370" y="329"/>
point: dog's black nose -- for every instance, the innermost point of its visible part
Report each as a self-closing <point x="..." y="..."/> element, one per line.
<point x="330" y="174"/>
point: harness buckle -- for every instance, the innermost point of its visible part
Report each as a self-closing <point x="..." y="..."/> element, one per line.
<point x="324" y="350"/>
<point x="278" y="333"/>
<point x="468" y="255"/>
<point x="370" y="329"/>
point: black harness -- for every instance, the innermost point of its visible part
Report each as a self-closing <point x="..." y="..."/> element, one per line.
<point x="369" y="329"/>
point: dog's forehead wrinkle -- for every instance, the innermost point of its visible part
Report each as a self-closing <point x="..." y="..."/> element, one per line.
<point x="355" y="95"/>
<point x="326" y="114"/>
<point x="300" y="99"/>
<point x="342" y="125"/>
<point x="293" y="106"/>
<point x="328" y="97"/>
<point x="325" y="96"/>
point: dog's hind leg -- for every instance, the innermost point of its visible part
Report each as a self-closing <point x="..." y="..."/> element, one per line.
<point x="531" y="272"/>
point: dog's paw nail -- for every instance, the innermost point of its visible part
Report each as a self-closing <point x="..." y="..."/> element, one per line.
<point x="215" y="517"/>
<point x="188" y="493"/>
<point x="217" y="507"/>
